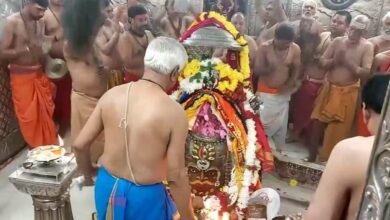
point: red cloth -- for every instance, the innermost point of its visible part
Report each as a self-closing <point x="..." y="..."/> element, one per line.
<point x="131" y="77"/>
<point x="362" y="127"/>
<point x="32" y="95"/>
<point x="233" y="59"/>
<point x="304" y="100"/>
<point x="386" y="67"/>
<point x="62" y="99"/>
<point x="173" y="89"/>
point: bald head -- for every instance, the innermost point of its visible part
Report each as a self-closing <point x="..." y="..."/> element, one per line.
<point x="360" y="22"/>
<point x="358" y="28"/>
<point x="238" y="20"/>
<point x="238" y="14"/>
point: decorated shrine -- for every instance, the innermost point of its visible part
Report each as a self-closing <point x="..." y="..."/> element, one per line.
<point x="226" y="149"/>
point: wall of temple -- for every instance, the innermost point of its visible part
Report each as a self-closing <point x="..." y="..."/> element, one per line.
<point x="8" y="7"/>
<point x="11" y="140"/>
<point x="374" y="9"/>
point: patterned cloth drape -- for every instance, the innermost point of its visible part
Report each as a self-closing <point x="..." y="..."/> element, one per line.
<point x="8" y="121"/>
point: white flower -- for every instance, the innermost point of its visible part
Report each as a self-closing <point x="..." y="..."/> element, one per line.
<point x="175" y="95"/>
<point x="212" y="203"/>
<point x="190" y="87"/>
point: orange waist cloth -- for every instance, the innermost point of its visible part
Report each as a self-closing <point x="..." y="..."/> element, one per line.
<point x="130" y="77"/>
<point x="336" y="106"/>
<point x="32" y="95"/>
<point x="333" y="101"/>
<point x="262" y="87"/>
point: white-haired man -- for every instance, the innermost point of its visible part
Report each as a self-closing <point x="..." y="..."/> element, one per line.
<point x="313" y="75"/>
<point x="382" y="42"/>
<point x="145" y="133"/>
<point x="308" y="22"/>
<point x="347" y="60"/>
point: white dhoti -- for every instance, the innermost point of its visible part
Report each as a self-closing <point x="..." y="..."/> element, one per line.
<point x="274" y="116"/>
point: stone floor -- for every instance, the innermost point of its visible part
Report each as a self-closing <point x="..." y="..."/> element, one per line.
<point x="15" y="205"/>
<point x="18" y="206"/>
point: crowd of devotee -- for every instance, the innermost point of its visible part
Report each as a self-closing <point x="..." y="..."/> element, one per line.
<point x="123" y="60"/>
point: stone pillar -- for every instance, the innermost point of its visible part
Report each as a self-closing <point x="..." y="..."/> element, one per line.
<point x="54" y="208"/>
<point x="50" y="195"/>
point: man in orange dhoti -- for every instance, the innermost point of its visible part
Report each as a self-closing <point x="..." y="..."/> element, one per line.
<point x="348" y="59"/>
<point x="335" y="106"/>
<point x="32" y="92"/>
<point x="313" y="74"/>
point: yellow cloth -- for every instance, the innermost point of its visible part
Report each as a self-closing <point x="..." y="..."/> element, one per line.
<point x="116" y="78"/>
<point x="82" y="108"/>
<point x="335" y="106"/>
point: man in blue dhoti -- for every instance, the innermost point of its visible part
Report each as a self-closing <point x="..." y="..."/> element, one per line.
<point x="145" y="133"/>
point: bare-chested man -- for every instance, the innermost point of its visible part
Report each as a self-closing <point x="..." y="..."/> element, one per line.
<point x="382" y="42"/>
<point x="271" y="15"/>
<point x="276" y="73"/>
<point x="313" y="76"/>
<point x="81" y="23"/>
<point x="381" y="62"/>
<point x="347" y="60"/>
<point x="342" y="184"/>
<point x="308" y="31"/>
<point x="32" y="92"/>
<point x="156" y="11"/>
<point x="53" y="29"/>
<point x="145" y="134"/>
<point x="132" y="43"/>
<point x="238" y="20"/>
<point x="176" y="20"/>
<point x="382" y="45"/>
<point x="106" y="42"/>
<point x="308" y="22"/>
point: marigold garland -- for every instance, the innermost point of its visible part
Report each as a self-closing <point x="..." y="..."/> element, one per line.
<point x="244" y="53"/>
<point x="199" y="75"/>
<point x="209" y="77"/>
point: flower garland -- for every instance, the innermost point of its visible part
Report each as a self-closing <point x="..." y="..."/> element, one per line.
<point x="211" y="74"/>
<point x="251" y="173"/>
<point x="214" y="18"/>
<point x="252" y="163"/>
